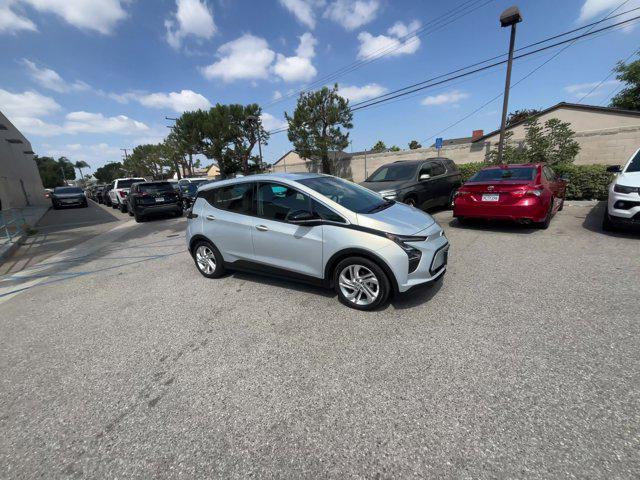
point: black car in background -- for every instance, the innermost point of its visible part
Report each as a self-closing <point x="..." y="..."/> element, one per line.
<point x="188" y="189"/>
<point x="420" y="183"/>
<point x="105" y="194"/>
<point x="149" y="198"/>
<point x="97" y="193"/>
<point x="68" y="197"/>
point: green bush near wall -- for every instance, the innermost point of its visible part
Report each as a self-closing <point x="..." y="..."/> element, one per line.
<point x="586" y="182"/>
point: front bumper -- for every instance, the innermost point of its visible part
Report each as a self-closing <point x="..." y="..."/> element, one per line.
<point x="433" y="261"/>
<point x="527" y="208"/>
<point x="69" y="202"/>
<point x="623" y="207"/>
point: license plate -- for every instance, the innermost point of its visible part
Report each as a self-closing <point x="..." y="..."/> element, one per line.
<point x="490" y="197"/>
<point x="159" y="199"/>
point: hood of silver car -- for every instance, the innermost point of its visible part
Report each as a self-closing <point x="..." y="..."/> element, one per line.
<point x="382" y="186"/>
<point x="399" y="218"/>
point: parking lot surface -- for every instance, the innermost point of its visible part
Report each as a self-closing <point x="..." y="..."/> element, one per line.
<point x="124" y="362"/>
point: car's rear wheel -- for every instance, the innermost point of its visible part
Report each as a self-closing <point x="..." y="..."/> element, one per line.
<point x="561" y="206"/>
<point x="361" y="283"/>
<point x="123" y="207"/>
<point x="208" y="259"/>
<point x="139" y="218"/>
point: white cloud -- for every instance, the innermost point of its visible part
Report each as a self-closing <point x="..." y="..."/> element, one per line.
<point x="303" y="10"/>
<point x="399" y="41"/>
<point x="11" y="22"/>
<point x="98" y="15"/>
<point x="182" y="101"/>
<point x="594" y="8"/>
<point x="269" y="122"/>
<point x="451" y="97"/>
<point x="50" y="79"/>
<point x="94" y="154"/>
<point x="87" y="122"/>
<point x="352" y="14"/>
<point x="299" y="67"/>
<point x="247" y="57"/>
<point x="356" y="94"/>
<point x="26" y="104"/>
<point x="580" y="90"/>
<point x="277" y="95"/>
<point x="192" y="17"/>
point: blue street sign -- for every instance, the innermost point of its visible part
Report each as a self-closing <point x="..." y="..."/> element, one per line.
<point x="439" y="143"/>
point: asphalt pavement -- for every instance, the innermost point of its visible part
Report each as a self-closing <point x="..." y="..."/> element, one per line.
<point x="121" y="361"/>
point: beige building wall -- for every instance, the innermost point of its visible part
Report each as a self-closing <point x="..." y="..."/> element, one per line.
<point x="20" y="183"/>
<point x="607" y="138"/>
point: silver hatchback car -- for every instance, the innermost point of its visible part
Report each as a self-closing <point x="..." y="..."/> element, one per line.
<point x="318" y="229"/>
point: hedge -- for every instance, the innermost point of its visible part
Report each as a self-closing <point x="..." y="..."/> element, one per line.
<point x="586" y="182"/>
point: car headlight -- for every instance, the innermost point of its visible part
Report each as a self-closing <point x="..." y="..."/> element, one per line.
<point x="624" y="189"/>
<point x="391" y="194"/>
<point x="413" y="253"/>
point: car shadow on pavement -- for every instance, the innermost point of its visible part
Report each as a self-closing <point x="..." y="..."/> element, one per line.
<point x="74" y="217"/>
<point x="416" y="296"/>
<point x="593" y="222"/>
<point x="502" y="226"/>
<point x="281" y="283"/>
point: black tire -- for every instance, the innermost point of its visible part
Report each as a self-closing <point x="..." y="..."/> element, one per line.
<point x="411" y="201"/>
<point x="85" y="205"/>
<point x="561" y="207"/>
<point x="547" y="220"/>
<point x="607" y="224"/>
<point x="203" y="246"/>
<point x="130" y="212"/>
<point x="179" y="213"/>
<point x="139" y="218"/>
<point x="114" y="206"/>
<point x="123" y="207"/>
<point x="383" y="283"/>
<point x="55" y="207"/>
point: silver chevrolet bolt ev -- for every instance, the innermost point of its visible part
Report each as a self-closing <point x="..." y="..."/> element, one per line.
<point x="318" y="229"/>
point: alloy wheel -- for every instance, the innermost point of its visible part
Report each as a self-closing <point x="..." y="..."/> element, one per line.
<point x="206" y="259"/>
<point x="359" y="285"/>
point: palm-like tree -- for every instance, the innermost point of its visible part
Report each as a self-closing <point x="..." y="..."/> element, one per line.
<point x="80" y="164"/>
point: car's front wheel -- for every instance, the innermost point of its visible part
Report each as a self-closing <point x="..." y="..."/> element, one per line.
<point x="208" y="259"/>
<point x="361" y="283"/>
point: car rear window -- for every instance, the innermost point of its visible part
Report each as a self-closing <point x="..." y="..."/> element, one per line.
<point x="128" y="182"/>
<point x="497" y="174"/>
<point x="634" y="165"/>
<point x="160" y="187"/>
<point x="67" y="190"/>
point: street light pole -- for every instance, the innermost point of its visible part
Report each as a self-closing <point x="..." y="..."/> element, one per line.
<point x="509" y="18"/>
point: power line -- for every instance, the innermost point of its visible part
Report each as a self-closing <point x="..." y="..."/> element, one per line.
<point x="438" y="23"/>
<point x="403" y="91"/>
<point x="613" y="70"/>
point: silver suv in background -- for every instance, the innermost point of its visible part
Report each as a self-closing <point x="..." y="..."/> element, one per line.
<point x="318" y="229"/>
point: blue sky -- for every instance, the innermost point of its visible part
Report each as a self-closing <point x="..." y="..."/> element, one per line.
<point x="86" y="78"/>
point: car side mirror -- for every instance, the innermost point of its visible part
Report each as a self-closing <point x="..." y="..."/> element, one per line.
<point x="301" y="217"/>
<point x="424" y="176"/>
<point x="614" y="169"/>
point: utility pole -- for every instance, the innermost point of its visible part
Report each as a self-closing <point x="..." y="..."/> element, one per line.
<point x="126" y="156"/>
<point x="509" y="18"/>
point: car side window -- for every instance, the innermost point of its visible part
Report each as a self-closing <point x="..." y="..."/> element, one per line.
<point x="552" y="175"/>
<point x="325" y="213"/>
<point x="276" y="201"/>
<point x="437" y="169"/>
<point x="236" y="198"/>
<point x="425" y="170"/>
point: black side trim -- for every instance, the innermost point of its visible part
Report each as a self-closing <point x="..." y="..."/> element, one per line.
<point x="350" y="252"/>
<point x="261" y="269"/>
<point x="197" y="238"/>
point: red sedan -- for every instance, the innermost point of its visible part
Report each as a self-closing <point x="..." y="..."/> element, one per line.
<point x="527" y="193"/>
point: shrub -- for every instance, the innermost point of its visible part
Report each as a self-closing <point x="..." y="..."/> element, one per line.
<point x="586" y="182"/>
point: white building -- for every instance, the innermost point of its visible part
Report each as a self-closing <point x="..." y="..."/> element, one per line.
<point x="20" y="183"/>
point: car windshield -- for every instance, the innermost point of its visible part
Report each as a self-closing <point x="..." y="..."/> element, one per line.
<point x="128" y="182"/>
<point x="634" y="164"/>
<point x="351" y="196"/>
<point x="67" y="190"/>
<point x="393" y="173"/>
<point x="497" y="174"/>
<point x="160" y="187"/>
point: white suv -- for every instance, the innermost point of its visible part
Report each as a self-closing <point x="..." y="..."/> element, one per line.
<point x="118" y="194"/>
<point x="623" y="205"/>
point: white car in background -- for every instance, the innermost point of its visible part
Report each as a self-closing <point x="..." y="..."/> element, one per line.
<point x="118" y="194"/>
<point x="623" y="205"/>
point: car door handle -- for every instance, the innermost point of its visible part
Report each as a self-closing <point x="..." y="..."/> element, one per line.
<point x="210" y="217"/>
<point x="262" y="228"/>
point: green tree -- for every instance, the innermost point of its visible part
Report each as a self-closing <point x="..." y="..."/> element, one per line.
<point x="552" y="143"/>
<point x="379" y="147"/>
<point x="316" y="126"/>
<point x="147" y="161"/>
<point x="67" y="168"/>
<point x="172" y="151"/>
<point x="189" y="133"/>
<point x="519" y="115"/>
<point x="107" y="173"/>
<point x="80" y="164"/>
<point x="394" y="148"/>
<point x="50" y="172"/>
<point x="414" y="145"/>
<point x="628" y="97"/>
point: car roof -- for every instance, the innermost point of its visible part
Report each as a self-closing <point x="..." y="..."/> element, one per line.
<point x="515" y="165"/>
<point x="293" y="177"/>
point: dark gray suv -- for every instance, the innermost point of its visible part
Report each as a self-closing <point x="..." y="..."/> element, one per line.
<point x="420" y="183"/>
